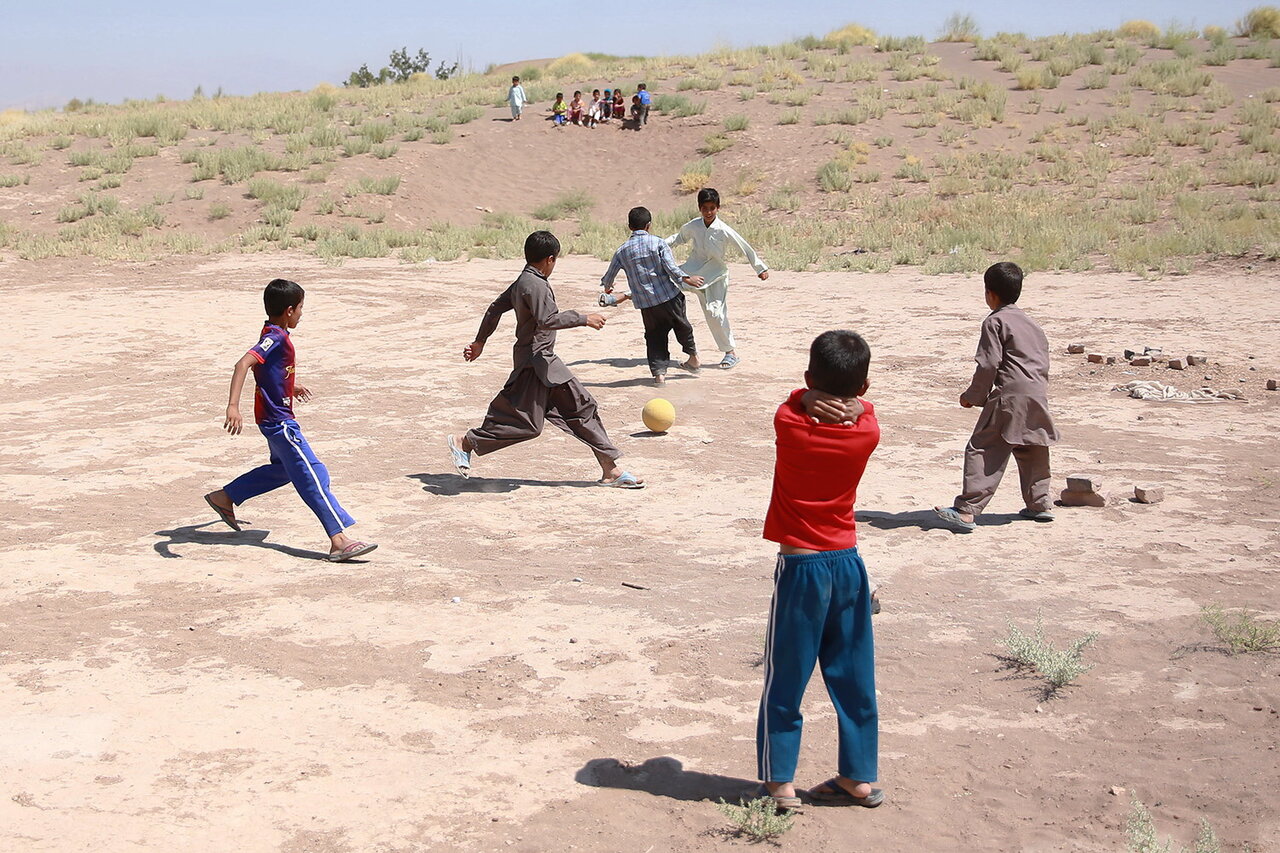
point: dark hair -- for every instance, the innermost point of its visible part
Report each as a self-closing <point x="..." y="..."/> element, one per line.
<point x="1005" y="281"/>
<point x="281" y="295"/>
<point x="638" y="218"/>
<point x="577" y="92"/>
<point x="595" y="91"/>
<point x="539" y="246"/>
<point x="641" y="86"/>
<point x="559" y="96"/>
<point x="707" y="194"/>
<point x="838" y="362"/>
<point x="515" y="79"/>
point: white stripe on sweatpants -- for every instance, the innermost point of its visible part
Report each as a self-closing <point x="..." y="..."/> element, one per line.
<point x="320" y="486"/>
<point x="768" y="670"/>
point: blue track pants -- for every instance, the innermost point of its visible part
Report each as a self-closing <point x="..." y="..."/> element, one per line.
<point x="821" y="612"/>
<point x="292" y="461"/>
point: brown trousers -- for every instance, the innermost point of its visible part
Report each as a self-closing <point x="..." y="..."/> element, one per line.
<point x="985" y="458"/>
<point x="518" y="412"/>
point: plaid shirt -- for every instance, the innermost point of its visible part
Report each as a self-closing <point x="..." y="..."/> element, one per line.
<point x="650" y="267"/>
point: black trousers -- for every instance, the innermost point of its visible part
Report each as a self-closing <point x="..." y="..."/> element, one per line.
<point x="659" y="322"/>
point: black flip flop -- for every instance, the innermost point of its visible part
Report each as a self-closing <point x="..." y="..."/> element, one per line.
<point x="227" y="516"/>
<point x="830" y="793"/>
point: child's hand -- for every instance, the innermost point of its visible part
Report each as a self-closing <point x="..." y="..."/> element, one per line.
<point x="827" y="408"/>
<point x="623" y="297"/>
<point x="596" y="321"/>
<point x="764" y="276"/>
<point x="233" y="423"/>
<point x="965" y="404"/>
<point x="301" y="394"/>
<point x="695" y="280"/>
<point x="472" y="350"/>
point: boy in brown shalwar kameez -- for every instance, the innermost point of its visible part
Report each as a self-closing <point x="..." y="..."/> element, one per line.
<point x="540" y="387"/>
<point x="1011" y="383"/>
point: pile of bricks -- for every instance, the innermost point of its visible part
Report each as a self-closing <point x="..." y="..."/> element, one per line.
<point x="1139" y="357"/>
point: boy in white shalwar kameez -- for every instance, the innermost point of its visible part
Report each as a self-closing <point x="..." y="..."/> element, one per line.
<point x="711" y="239"/>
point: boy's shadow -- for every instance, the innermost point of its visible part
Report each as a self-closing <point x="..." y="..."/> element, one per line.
<point x="194" y="534"/>
<point x="612" y="362"/>
<point x="662" y="777"/>
<point x="925" y="519"/>
<point x="639" y="380"/>
<point x="452" y="485"/>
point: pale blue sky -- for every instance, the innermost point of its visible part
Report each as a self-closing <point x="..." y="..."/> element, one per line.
<point x="55" y="50"/>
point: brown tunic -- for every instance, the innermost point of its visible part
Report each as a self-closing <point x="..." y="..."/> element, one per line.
<point x="541" y="387"/>
<point x="1011" y="381"/>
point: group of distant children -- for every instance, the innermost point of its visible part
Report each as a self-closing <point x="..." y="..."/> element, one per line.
<point x="602" y="108"/>
<point x="825" y="433"/>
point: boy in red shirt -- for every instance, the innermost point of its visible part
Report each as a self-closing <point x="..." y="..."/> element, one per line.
<point x="821" y="610"/>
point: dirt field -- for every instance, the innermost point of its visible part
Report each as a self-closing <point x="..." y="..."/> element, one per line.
<point x="169" y="684"/>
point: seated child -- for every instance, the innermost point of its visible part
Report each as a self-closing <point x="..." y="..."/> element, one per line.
<point x="559" y="110"/>
<point x="575" y="108"/>
<point x="635" y="110"/>
<point x="606" y="105"/>
<point x="619" y="105"/>
<point x="593" y="109"/>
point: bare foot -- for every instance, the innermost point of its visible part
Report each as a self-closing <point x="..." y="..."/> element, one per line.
<point x="659" y="380"/>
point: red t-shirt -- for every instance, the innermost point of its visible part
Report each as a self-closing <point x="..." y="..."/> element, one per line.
<point x="816" y="475"/>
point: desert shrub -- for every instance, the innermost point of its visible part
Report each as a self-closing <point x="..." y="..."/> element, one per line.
<point x="1221" y="54"/>
<point x="233" y="164"/>
<point x="1215" y="35"/>
<point x="442" y="137"/>
<point x="90" y="204"/>
<point x="1035" y="652"/>
<point x="571" y="65"/>
<point x="1262" y="22"/>
<point x="12" y="180"/>
<point x="736" y="123"/>
<point x="758" y="819"/>
<point x="851" y="35"/>
<point x="786" y="197"/>
<point x="1141" y="837"/>
<point x="678" y="106"/>
<point x="571" y="203"/>
<point x="379" y="186"/>
<point x="789" y="117"/>
<point x="907" y="44"/>
<point x="382" y="152"/>
<point x="715" y="143"/>
<point x="276" y="193"/>
<point x="1098" y="78"/>
<point x="357" y="145"/>
<point x="960" y="27"/>
<point x="1241" y="630"/>
<point x="1139" y="31"/>
<point x="375" y="131"/>
<point x="413" y="134"/>
<point x="695" y="175"/>
<point x="218" y="211"/>
<point x="835" y="176"/>
<point x="706" y="83"/>
<point x="60" y="142"/>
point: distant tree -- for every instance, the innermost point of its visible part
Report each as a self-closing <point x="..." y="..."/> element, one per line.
<point x="401" y="66"/>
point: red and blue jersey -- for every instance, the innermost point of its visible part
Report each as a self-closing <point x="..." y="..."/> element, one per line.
<point x="273" y="374"/>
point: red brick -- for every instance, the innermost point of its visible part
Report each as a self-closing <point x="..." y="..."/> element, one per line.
<point x="1148" y="494"/>
<point x="1074" y="498"/>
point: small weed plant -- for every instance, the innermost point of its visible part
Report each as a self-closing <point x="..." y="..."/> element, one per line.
<point x="1141" y="837"/>
<point x="1241" y="630"/>
<point x="758" y="820"/>
<point x="1034" y="651"/>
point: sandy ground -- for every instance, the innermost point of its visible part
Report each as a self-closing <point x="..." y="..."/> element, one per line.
<point x="169" y="684"/>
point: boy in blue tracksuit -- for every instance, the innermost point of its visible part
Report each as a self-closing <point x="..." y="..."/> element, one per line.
<point x="292" y="460"/>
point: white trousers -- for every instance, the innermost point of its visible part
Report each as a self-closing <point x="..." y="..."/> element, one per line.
<point x="715" y="307"/>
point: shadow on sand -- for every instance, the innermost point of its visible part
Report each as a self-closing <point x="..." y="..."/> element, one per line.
<point x="926" y="519"/>
<point x="662" y="777"/>
<point x="195" y="534"/>
<point x="452" y="485"/>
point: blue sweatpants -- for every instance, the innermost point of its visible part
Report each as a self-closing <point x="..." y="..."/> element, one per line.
<point x="821" y="612"/>
<point x="292" y="461"/>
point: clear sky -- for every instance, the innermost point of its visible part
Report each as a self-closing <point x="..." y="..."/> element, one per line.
<point x="108" y="50"/>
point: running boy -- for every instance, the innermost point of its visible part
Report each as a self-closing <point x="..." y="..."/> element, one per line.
<point x="652" y="275"/>
<point x="1011" y="384"/>
<point x="516" y="98"/>
<point x="711" y="239"/>
<point x="292" y="460"/>
<point x="821" y="609"/>
<point x="540" y="387"/>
